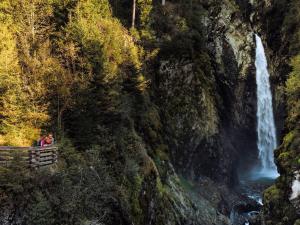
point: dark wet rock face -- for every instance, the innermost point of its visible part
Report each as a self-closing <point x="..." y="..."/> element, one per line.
<point x="246" y="212"/>
<point x="210" y="123"/>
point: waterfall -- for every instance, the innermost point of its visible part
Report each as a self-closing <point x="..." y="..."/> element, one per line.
<point x="266" y="132"/>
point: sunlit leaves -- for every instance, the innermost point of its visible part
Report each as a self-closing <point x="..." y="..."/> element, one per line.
<point x="293" y="93"/>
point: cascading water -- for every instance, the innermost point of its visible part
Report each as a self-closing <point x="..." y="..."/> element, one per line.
<point x="254" y="182"/>
<point x="265" y="119"/>
<point x="262" y="176"/>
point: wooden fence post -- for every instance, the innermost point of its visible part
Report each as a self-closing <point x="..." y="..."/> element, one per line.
<point x="38" y="153"/>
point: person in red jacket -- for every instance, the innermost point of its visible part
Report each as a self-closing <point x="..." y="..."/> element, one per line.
<point x="49" y="140"/>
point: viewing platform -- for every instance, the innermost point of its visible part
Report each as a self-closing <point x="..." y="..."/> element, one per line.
<point x="35" y="157"/>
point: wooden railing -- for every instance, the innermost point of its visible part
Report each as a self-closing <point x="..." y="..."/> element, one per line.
<point x="33" y="156"/>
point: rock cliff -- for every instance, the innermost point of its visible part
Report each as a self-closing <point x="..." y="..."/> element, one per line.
<point x="209" y="100"/>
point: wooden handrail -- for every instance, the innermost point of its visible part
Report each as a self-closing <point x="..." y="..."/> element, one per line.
<point x="7" y="148"/>
<point x="34" y="156"/>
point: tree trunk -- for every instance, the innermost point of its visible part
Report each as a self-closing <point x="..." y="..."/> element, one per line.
<point x="133" y="13"/>
<point x="163" y="2"/>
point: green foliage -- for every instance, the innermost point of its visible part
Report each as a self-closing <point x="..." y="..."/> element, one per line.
<point x="73" y="192"/>
<point x="63" y="46"/>
<point x="288" y="151"/>
<point x="103" y="40"/>
<point x="93" y="10"/>
<point x="291" y="24"/>
<point x="279" y="209"/>
<point x="24" y="109"/>
<point x="40" y="211"/>
<point x="15" y="178"/>
<point x="186" y="184"/>
<point x="17" y="119"/>
<point x="272" y="196"/>
<point x="293" y="93"/>
<point x="145" y="19"/>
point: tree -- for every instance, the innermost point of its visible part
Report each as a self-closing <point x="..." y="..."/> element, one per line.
<point x="40" y="211"/>
<point x="24" y="104"/>
<point x="16" y="118"/>
<point x="104" y="56"/>
<point x="133" y="13"/>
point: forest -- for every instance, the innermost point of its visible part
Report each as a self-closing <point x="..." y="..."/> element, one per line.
<point x="152" y="105"/>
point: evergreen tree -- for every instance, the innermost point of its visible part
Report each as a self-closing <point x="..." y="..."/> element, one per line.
<point x="15" y="122"/>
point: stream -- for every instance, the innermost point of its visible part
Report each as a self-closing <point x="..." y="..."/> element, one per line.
<point x="247" y="212"/>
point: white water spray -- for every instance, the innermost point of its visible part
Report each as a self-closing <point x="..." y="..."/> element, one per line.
<point x="296" y="186"/>
<point x="265" y="119"/>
